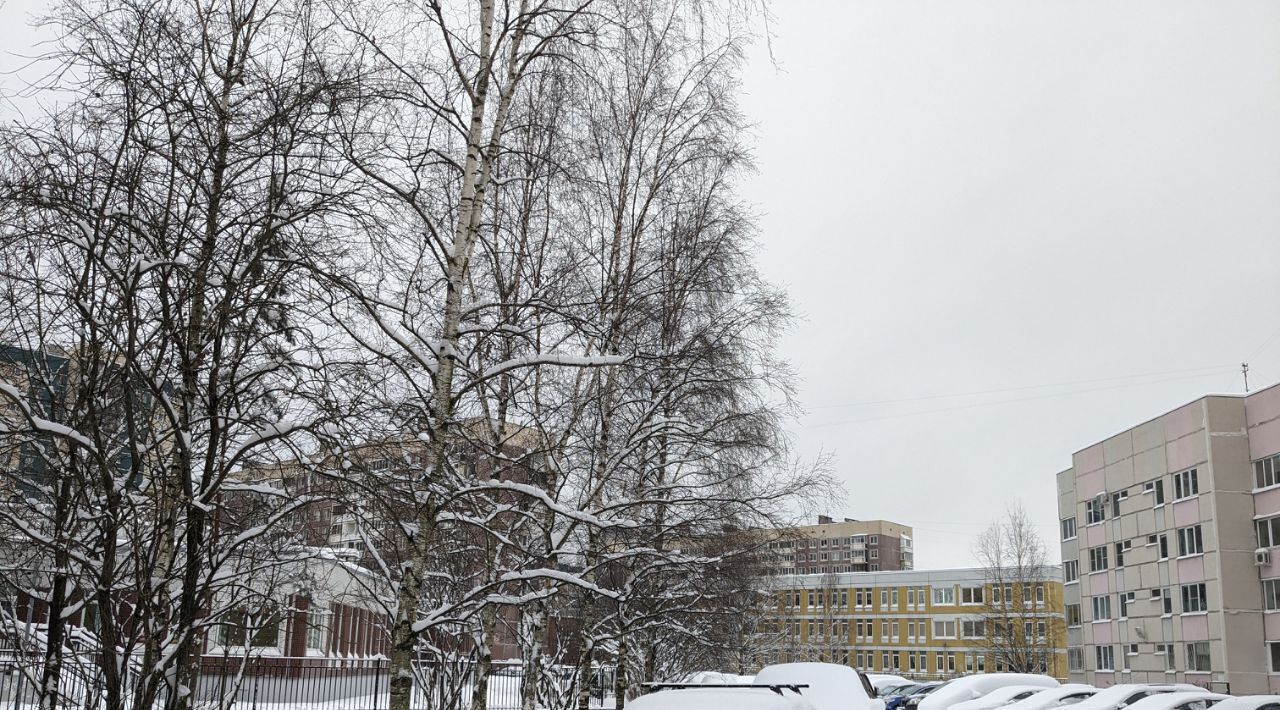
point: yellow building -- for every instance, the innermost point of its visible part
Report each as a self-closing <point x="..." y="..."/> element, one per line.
<point x="922" y="624"/>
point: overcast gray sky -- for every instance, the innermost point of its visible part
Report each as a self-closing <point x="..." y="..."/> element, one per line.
<point x="980" y="196"/>
<point x="969" y="196"/>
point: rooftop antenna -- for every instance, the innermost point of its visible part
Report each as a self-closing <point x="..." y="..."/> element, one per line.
<point x="1244" y="368"/>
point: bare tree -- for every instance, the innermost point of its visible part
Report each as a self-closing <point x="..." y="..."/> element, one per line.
<point x="1022" y="633"/>
<point x="161" y="230"/>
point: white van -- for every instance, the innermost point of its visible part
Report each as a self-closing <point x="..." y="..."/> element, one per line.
<point x="972" y="687"/>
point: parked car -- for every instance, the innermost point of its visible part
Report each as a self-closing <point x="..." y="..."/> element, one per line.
<point x="912" y="701"/>
<point x="1054" y="697"/>
<point x="831" y="686"/>
<point x="1001" y="696"/>
<point x="744" y="698"/>
<point x="1182" y="700"/>
<point x="1125" y="694"/>
<point x="891" y="690"/>
<point x="1250" y="702"/>
<point x="894" y="699"/>
<point x="885" y="680"/>
<point x="972" y="687"/>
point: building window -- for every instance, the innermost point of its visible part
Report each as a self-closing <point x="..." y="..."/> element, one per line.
<point x="1190" y="541"/>
<point x="1070" y="571"/>
<point x="973" y="629"/>
<point x="1121" y="547"/>
<point x="1193" y="598"/>
<point x="1102" y="607"/>
<point x="971" y="595"/>
<point x="1068" y="528"/>
<point x="1106" y="658"/>
<point x="1166" y="650"/>
<point x="944" y="596"/>
<point x="1097" y="558"/>
<point x="1164" y="547"/>
<point x="1271" y="594"/>
<point x="874" y="540"/>
<point x="893" y="598"/>
<point x="1198" y="656"/>
<point x="316" y="619"/>
<point x="1115" y="502"/>
<point x="1273" y="650"/>
<point x="811" y="604"/>
<point x="1095" y="509"/>
<point x="1269" y="532"/>
<point x="1186" y="485"/>
<point x="1073" y="614"/>
<point x="261" y="627"/>
<point x="1159" y="494"/>
<point x="944" y="629"/>
<point x="1126" y="598"/>
<point x="911" y="596"/>
<point x="1075" y="659"/>
<point x="1266" y="472"/>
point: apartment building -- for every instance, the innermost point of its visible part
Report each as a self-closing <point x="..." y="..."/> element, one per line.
<point x="1169" y="532"/>
<point x="842" y="546"/>
<point x="932" y="624"/>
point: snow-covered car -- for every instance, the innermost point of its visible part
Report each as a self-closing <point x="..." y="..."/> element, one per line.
<point x="1123" y="695"/>
<point x="885" y="680"/>
<point x="972" y="687"/>
<point x="831" y="686"/>
<point x="719" y="678"/>
<point x="1053" y="697"/>
<point x="913" y="700"/>
<point x="1182" y="700"/>
<point x="1250" y="702"/>
<point x="744" y="698"/>
<point x="1001" y="696"/>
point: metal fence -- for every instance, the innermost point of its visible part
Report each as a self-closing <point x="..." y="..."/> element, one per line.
<point x="311" y="684"/>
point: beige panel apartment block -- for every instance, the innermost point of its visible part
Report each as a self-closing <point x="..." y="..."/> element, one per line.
<point x="1174" y="543"/>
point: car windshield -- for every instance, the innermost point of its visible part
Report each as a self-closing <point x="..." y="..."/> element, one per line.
<point x="926" y="689"/>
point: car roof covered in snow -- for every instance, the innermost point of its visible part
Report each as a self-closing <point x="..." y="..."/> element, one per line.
<point x="1164" y="701"/>
<point x="720" y="699"/>
<point x="831" y="685"/>
<point x="1248" y="702"/>
<point x="975" y="686"/>
<point x="1112" y="696"/>
<point x="999" y="696"/>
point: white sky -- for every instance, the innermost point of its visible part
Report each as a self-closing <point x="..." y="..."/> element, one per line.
<point x="991" y="196"/>
<point x="968" y="196"/>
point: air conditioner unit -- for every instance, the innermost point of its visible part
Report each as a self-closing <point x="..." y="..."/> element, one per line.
<point x="1261" y="557"/>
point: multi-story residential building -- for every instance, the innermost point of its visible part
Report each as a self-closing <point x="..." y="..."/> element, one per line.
<point x="1169" y="532"/>
<point x="923" y="624"/>
<point x="842" y="546"/>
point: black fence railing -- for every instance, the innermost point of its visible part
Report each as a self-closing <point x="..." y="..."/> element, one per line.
<point x="276" y="683"/>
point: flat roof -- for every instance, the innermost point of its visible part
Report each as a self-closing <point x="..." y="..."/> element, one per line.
<point x="909" y="576"/>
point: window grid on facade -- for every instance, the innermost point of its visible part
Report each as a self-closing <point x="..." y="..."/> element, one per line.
<point x="1198" y="656"/>
<point x="1268" y="532"/>
<point x="1105" y="657"/>
<point x="1185" y="484"/>
<point x="1097" y="558"/>
<point x="1095" y="509"/>
<point x="1266" y="472"/>
<point x="1193" y="598"/>
<point x="1190" y="541"/>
